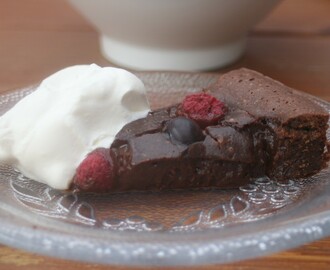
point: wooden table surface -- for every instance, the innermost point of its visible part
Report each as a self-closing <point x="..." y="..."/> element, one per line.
<point x="38" y="37"/>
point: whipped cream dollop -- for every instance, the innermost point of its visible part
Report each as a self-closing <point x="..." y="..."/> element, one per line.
<point x="48" y="133"/>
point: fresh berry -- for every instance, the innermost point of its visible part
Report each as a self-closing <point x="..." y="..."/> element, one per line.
<point x="203" y="108"/>
<point x="183" y="130"/>
<point x="95" y="173"/>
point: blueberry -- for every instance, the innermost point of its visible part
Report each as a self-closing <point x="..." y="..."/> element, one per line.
<point x="183" y="130"/>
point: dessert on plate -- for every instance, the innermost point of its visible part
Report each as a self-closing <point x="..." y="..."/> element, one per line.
<point x="244" y="126"/>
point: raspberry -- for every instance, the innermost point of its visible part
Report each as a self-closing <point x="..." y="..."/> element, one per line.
<point x="203" y="108"/>
<point x="95" y="173"/>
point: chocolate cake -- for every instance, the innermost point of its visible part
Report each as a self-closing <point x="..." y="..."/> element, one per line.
<point x="263" y="129"/>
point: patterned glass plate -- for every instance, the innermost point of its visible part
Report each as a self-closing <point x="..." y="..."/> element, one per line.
<point x="167" y="228"/>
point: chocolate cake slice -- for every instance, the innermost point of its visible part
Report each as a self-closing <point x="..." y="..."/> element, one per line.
<point x="262" y="128"/>
<point x="295" y="126"/>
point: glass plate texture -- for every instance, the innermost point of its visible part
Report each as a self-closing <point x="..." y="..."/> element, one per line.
<point x="167" y="228"/>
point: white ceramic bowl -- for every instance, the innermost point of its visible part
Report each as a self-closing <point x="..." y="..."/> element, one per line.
<point x="173" y="34"/>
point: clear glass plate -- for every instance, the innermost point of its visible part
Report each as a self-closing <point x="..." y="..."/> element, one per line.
<point x="167" y="228"/>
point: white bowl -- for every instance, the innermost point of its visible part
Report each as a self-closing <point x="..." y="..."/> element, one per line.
<point x="173" y="34"/>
